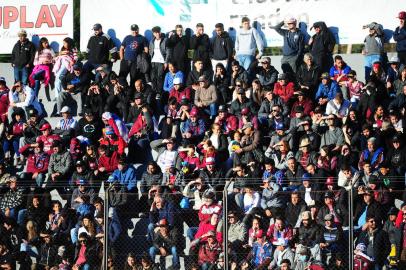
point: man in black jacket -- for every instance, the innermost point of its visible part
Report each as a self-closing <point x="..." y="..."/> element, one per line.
<point x="376" y="240"/>
<point x="221" y="47"/>
<point x="89" y="126"/>
<point x="74" y="86"/>
<point x="99" y="48"/>
<point x="178" y="43"/>
<point x="200" y="44"/>
<point x="22" y="57"/>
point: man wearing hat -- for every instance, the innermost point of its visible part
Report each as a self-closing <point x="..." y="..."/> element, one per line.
<point x="299" y="118"/>
<point x="194" y="128"/>
<point x="282" y="253"/>
<point x="332" y="135"/>
<point x="399" y="36"/>
<point x="179" y="91"/>
<point x="266" y="112"/>
<point x="59" y="170"/>
<point x="330" y="207"/>
<point x="373" y="46"/>
<point x="23" y="96"/>
<point x="305" y="102"/>
<point x="227" y="122"/>
<point x="164" y="244"/>
<point x="368" y="207"/>
<point x="266" y="73"/>
<point x="66" y="126"/>
<point x="322" y="45"/>
<point x="75" y="86"/>
<point x="241" y="101"/>
<point x="125" y="174"/>
<point x="284" y="88"/>
<point x="90" y="126"/>
<point x="309" y="235"/>
<point x="22" y="57"/>
<point x="47" y="138"/>
<point x="293" y="44"/>
<point x="132" y="46"/>
<point x="84" y="174"/>
<point x="393" y="71"/>
<point x="327" y="89"/>
<point x="99" y="48"/>
<point x="261" y="251"/>
<point x="206" y="97"/>
<point x="82" y="188"/>
<point x="37" y="164"/>
<point x="12" y="198"/>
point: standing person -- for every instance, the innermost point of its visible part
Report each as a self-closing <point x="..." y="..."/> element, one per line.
<point x="221" y="47"/>
<point x="99" y="48"/>
<point x="200" y="44"/>
<point x="178" y="42"/>
<point x="132" y="46"/>
<point x="160" y="53"/>
<point x="322" y="45"/>
<point x="43" y="61"/>
<point x="400" y="37"/>
<point x="373" y="47"/>
<point x="22" y="57"/>
<point x="64" y="63"/>
<point x="247" y="42"/>
<point x="293" y="45"/>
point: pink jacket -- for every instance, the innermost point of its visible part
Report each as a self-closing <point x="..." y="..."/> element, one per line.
<point x="47" y="76"/>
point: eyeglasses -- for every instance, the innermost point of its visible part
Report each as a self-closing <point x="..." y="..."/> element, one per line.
<point x="275" y="110"/>
<point x="371" y="221"/>
<point x="82" y="241"/>
<point x="238" y="85"/>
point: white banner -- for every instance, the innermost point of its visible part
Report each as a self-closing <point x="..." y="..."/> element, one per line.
<point x="52" y="19"/>
<point x="344" y="17"/>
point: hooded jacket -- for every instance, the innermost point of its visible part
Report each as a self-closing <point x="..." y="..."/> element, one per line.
<point x="221" y="47"/>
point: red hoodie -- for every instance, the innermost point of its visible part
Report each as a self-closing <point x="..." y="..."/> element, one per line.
<point x="109" y="163"/>
<point x="36" y="163"/>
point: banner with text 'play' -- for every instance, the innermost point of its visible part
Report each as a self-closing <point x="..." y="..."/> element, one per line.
<point x="52" y="19"/>
<point x="344" y="17"/>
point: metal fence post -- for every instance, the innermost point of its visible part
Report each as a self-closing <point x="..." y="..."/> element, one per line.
<point x="351" y="229"/>
<point x="225" y="224"/>
<point x="106" y="227"/>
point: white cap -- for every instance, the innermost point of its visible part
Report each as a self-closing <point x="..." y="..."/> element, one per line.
<point x="177" y="80"/>
<point x="291" y="20"/>
<point x="65" y="109"/>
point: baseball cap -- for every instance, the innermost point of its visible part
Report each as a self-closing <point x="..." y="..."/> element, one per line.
<point x="245" y="111"/>
<point x="402" y="15"/>
<point x="193" y="112"/>
<point x="282" y="76"/>
<point x="2" y="79"/>
<point x="325" y="75"/>
<point x="222" y="108"/>
<point x="306" y="177"/>
<point x="280" y="126"/>
<point x="328" y="217"/>
<point x="202" y="78"/>
<point x="97" y="26"/>
<point x="80" y="163"/>
<point x="266" y="59"/>
<point x="78" y="66"/>
<point x="210" y="161"/>
<point x="22" y="32"/>
<point x="81" y="182"/>
<point x="109" y="130"/>
<point x="45" y="127"/>
<point x="134" y="27"/>
<point x="177" y="80"/>
<point x="137" y="95"/>
<point x="290" y="20"/>
<point x="329" y="194"/>
<point x="32" y="112"/>
<point x="247" y="125"/>
<point x="65" y="109"/>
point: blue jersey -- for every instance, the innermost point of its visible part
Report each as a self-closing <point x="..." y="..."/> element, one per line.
<point x="133" y="45"/>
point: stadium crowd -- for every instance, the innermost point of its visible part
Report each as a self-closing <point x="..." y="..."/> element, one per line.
<point x="288" y="148"/>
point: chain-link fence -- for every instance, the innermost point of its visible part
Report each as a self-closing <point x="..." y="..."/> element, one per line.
<point x="260" y="226"/>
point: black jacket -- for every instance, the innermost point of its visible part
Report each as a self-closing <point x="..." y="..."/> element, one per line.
<point x="221" y="47"/>
<point x="91" y="130"/>
<point x="81" y="86"/>
<point x="179" y="47"/>
<point x="99" y="48"/>
<point x="381" y="246"/>
<point x="374" y="209"/>
<point x="23" y="54"/>
<point x="201" y="49"/>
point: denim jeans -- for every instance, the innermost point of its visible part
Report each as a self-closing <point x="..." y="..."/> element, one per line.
<point x="21" y="217"/>
<point x="21" y="74"/>
<point x="15" y="143"/>
<point x="369" y="61"/>
<point x="245" y="60"/>
<point x="58" y="82"/>
<point x="211" y="110"/>
<point x="38" y="77"/>
<point x="191" y="232"/>
<point x="175" y="257"/>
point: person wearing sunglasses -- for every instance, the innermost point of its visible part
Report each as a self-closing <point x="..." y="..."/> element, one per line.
<point x="85" y="253"/>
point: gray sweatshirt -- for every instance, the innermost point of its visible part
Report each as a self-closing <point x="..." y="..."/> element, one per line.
<point x="248" y="41"/>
